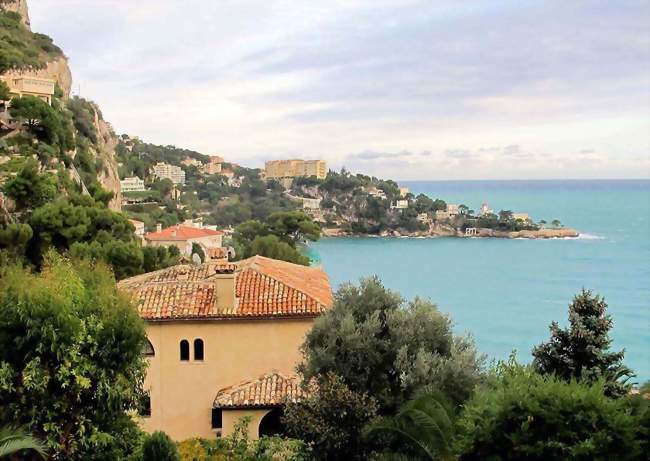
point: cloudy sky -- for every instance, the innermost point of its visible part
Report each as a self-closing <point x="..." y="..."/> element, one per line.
<point x="398" y="88"/>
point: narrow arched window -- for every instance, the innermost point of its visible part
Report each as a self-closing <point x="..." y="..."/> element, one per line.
<point x="198" y="349"/>
<point x="147" y="349"/>
<point x="185" y="350"/>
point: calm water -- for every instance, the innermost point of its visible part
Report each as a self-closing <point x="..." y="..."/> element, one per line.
<point x="506" y="292"/>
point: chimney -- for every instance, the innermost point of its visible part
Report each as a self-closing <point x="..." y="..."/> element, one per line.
<point x="158" y="227"/>
<point x="224" y="286"/>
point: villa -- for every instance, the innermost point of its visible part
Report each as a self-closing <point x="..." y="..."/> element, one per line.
<point x="182" y="237"/>
<point x="223" y="342"/>
<point x="42" y="88"/>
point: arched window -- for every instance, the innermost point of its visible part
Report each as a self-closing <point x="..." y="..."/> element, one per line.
<point x="198" y="349"/>
<point x="147" y="349"/>
<point x="185" y="350"/>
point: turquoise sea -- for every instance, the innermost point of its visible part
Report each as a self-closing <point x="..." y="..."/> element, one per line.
<point x="506" y="292"/>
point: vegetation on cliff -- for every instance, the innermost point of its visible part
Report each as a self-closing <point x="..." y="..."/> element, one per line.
<point x="21" y="48"/>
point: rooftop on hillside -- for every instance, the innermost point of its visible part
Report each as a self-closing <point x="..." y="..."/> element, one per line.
<point x="181" y="232"/>
<point x="264" y="288"/>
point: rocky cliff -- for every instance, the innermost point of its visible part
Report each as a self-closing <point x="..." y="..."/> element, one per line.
<point x="56" y="68"/>
<point x="17" y="6"/>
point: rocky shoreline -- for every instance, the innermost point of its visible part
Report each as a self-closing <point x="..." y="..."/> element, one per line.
<point x="447" y="231"/>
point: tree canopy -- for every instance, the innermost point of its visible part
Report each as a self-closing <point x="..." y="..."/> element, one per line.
<point x="70" y="359"/>
<point x="389" y="349"/>
<point x="581" y="351"/>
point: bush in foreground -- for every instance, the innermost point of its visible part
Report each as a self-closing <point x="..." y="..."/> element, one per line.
<point x="523" y="415"/>
<point x="70" y="359"/>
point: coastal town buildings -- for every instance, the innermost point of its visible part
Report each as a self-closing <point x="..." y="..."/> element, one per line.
<point x="42" y="88"/>
<point x="401" y="204"/>
<point x="374" y="192"/>
<point x="485" y="210"/>
<point x="404" y="191"/>
<point x="189" y="161"/>
<point x="172" y="172"/>
<point x="424" y="218"/>
<point x="132" y="184"/>
<point x="453" y="210"/>
<point x="182" y="237"/>
<point x="278" y="169"/>
<point x="214" y="165"/>
<point x="223" y="342"/>
<point x="521" y="217"/>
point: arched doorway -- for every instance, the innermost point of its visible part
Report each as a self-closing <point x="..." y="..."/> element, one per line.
<point x="271" y="423"/>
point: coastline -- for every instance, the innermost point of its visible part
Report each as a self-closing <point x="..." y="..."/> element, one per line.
<point x="446" y="231"/>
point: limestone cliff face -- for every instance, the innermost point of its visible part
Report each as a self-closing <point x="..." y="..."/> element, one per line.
<point x="55" y="70"/>
<point x="58" y="70"/>
<point x="17" y="6"/>
<point x="105" y="150"/>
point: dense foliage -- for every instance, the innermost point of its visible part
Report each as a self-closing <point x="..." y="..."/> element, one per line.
<point x="581" y="351"/>
<point x="159" y="447"/>
<point x="332" y="420"/>
<point x="390" y="349"/>
<point x="523" y="415"/>
<point x="278" y="237"/>
<point x="238" y="447"/>
<point x="20" y="48"/>
<point x="70" y="359"/>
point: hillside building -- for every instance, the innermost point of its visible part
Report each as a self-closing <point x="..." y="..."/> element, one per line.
<point x="278" y="169"/>
<point x="183" y="237"/>
<point x="172" y="172"/>
<point x="223" y="342"/>
<point x="139" y="227"/>
<point x="132" y="184"/>
<point x="521" y="217"/>
<point x="214" y="165"/>
<point x="401" y="204"/>
<point x="42" y="88"/>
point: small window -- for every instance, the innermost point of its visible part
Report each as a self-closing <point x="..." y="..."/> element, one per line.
<point x="185" y="350"/>
<point x="147" y="349"/>
<point x="198" y="349"/>
<point x="217" y="418"/>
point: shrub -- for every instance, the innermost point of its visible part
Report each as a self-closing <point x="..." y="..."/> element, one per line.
<point x="523" y="415"/>
<point x="159" y="447"/>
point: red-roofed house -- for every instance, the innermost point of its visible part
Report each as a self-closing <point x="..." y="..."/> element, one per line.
<point x="224" y="342"/>
<point x="183" y="237"/>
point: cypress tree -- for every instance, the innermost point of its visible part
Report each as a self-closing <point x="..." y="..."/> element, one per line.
<point x="581" y="351"/>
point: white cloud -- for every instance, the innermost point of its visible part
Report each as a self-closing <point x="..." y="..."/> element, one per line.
<point x="255" y="79"/>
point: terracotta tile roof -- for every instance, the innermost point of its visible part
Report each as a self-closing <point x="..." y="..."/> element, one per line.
<point x="264" y="288"/>
<point x="217" y="253"/>
<point x="270" y="390"/>
<point x="181" y="233"/>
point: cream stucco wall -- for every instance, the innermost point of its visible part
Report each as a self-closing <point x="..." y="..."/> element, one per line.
<point x="182" y="393"/>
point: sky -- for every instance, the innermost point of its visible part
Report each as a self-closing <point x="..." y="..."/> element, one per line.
<point x="402" y="89"/>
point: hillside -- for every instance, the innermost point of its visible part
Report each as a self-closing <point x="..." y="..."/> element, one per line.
<point x="89" y="140"/>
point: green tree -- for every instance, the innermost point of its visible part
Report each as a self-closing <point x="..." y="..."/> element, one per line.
<point x="196" y="249"/>
<point x="272" y="247"/>
<point x="380" y="345"/>
<point x="4" y="91"/>
<point x="523" y="415"/>
<point x="424" y="424"/>
<point x="331" y="419"/>
<point x="14" y="441"/>
<point x="14" y="239"/>
<point x="41" y="119"/>
<point x="159" y="447"/>
<point x="70" y="359"/>
<point x="581" y="351"/>
<point x="30" y="189"/>
<point x="293" y="227"/>
<point x="556" y="223"/>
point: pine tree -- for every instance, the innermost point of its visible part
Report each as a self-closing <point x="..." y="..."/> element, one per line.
<point x="582" y="350"/>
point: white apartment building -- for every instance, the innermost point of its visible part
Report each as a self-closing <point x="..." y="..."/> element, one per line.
<point x="132" y="184"/>
<point x="172" y="172"/>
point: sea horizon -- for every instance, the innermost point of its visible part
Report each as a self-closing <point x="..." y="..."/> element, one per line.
<point x="507" y="292"/>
